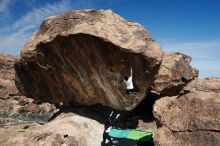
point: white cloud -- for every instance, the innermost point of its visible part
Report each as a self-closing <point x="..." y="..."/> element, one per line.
<point x="210" y="44"/>
<point x="14" y="36"/>
<point x="4" y="5"/>
<point x="37" y="15"/>
<point x="11" y="42"/>
<point x="205" y="55"/>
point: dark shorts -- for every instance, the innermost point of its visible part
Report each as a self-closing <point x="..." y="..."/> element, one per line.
<point x="128" y="91"/>
<point x="106" y="136"/>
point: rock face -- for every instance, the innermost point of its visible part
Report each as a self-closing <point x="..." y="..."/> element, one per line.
<point x="174" y="73"/>
<point x="66" y="130"/>
<point x="192" y="118"/>
<point x="80" y="58"/>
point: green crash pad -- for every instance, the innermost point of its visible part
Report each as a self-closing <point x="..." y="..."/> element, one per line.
<point x="119" y="133"/>
<point x="140" y="135"/>
<point x="137" y="135"/>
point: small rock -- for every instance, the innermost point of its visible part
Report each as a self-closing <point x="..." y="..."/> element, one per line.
<point x="32" y="108"/>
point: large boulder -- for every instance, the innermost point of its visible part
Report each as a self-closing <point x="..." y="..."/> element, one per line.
<point x="174" y="73"/>
<point x="80" y="58"/>
<point x="67" y="129"/>
<point x="192" y="118"/>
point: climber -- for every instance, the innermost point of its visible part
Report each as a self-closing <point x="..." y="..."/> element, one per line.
<point x="129" y="84"/>
<point x="111" y="122"/>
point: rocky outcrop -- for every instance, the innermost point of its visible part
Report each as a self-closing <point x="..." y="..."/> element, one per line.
<point x="20" y="109"/>
<point x="6" y="66"/>
<point x="7" y="73"/>
<point x="174" y="73"/>
<point x="80" y="58"/>
<point x="14" y="107"/>
<point x="66" y="130"/>
<point x="192" y="118"/>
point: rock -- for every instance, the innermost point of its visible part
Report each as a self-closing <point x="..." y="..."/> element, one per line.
<point x="24" y="136"/>
<point x="34" y="108"/>
<point x="66" y="130"/>
<point x="14" y="107"/>
<point x="7" y="73"/>
<point x="7" y="88"/>
<point x="207" y="85"/>
<point x="23" y="100"/>
<point x="6" y="67"/>
<point x="13" y="111"/>
<point x="188" y="138"/>
<point x="174" y="73"/>
<point x="192" y="118"/>
<point x="80" y="58"/>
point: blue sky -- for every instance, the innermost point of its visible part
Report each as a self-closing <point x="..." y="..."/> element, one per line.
<point x="188" y="26"/>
